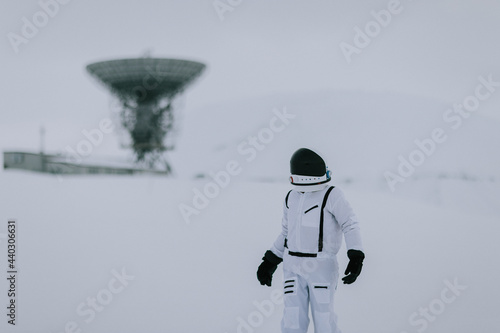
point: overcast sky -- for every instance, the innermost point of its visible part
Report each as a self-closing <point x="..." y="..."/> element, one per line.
<point x="434" y="49"/>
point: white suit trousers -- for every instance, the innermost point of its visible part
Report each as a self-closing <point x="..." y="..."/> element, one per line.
<point x="309" y="282"/>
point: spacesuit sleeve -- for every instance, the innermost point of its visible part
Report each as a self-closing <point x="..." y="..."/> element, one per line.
<point x="278" y="247"/>
<point x="344" y="214"/>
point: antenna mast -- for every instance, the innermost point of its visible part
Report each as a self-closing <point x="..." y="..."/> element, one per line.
<point x="42" y="139"/>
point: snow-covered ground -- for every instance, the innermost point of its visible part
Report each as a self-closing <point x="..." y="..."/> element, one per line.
<point x="148" y="254"/>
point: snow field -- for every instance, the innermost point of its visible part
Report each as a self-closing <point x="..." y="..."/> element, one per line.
<point x="71" y="241"/>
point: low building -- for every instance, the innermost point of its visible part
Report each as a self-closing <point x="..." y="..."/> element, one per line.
<point x="60" y="164"/>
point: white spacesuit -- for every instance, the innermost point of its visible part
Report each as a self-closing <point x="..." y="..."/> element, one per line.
<point x="315" y="216"/>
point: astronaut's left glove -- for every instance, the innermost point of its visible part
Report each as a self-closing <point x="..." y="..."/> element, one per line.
<point x="353" y="269"/>
<point x="270" y="262"/>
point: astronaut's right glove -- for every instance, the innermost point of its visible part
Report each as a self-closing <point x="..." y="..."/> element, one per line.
<point x="356" y="258"/>
<point x="270" y="262"/>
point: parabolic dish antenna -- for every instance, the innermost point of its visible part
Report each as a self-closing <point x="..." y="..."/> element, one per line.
<point x="145" y="88"/>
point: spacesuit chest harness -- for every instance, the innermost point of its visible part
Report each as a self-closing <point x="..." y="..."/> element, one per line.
<point x="321" y="223"/>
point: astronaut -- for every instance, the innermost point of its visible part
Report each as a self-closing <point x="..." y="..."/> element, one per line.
<point x="315" y="216"/>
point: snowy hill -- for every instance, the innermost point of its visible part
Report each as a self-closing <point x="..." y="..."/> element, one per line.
<point x="120" y="254"/>
<point x="361" y="133"/>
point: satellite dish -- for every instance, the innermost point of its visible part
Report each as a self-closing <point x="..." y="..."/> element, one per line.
<point x="145" y="88"/>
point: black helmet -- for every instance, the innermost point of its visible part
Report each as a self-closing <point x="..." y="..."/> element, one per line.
<point x="308" y="168"/>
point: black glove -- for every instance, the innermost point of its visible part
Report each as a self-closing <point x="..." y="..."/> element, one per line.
<point x="354" y="267"/>
<point x="270" y="262"/>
